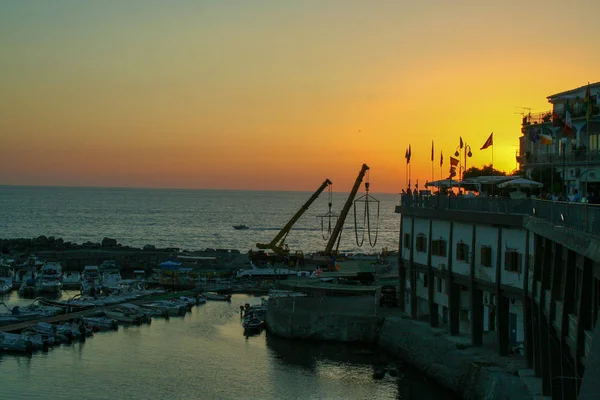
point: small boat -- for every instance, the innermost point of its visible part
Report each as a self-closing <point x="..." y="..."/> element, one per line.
<point x="6" y="285"/>
<point x="101" y="323"/>
<point x="15" y="343"/>
<point x="90" y="280"/>
<point x="216" y="296"/>
<point x="49" y="278"/>
<point x="240" y="227"/>
<point x="71" y="280"/>
<point x="111" y="280"/>
<point x="255" y="324"/>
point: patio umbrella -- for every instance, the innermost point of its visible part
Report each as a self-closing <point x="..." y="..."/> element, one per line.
<point x="521" y="183"/>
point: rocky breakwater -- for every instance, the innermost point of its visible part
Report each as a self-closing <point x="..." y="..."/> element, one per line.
<point x="471" y="372"/>
<point x="73" y="256"/>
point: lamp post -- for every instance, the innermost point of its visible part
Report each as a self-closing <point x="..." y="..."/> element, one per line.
<point x="563" y="141"/>
<point x="468" y="153"/>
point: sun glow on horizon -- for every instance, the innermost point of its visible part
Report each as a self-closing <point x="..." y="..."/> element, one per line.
<point x="275" y="95"/>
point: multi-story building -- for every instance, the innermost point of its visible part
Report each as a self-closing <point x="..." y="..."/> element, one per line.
<point x="521" y="275"/>
<point x="566" y="139"/>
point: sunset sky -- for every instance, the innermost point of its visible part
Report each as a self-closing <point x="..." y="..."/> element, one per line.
<point x="274" y="94"/>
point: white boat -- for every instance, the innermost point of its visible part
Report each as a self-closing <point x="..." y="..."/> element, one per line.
<point x="6" y="277"/>
<point x="163" y="308"/>
<point x="101" y="323"/>
<point x="90" y="280"/>
<point x="6" y="285"/>
<point x="49" y="278"/>
<point x="19" y="314"/>
<point x="216" y="296"/>
<point x="71" y="280"/>
<point x="15" y="343"/>
<point x="22" y="275"/>
<point x="111" y="280"/>
<point x="128" y="313"/>
<point x="267" y="271"/>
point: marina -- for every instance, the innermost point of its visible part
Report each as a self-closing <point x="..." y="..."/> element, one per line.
<point x="207" y="353"/>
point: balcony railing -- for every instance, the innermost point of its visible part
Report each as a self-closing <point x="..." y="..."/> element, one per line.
<point x="579" y="216"/>
<point x="579" y="111"/>
<point x="579" y="155"/>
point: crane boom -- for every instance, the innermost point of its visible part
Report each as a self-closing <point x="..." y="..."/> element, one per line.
<point x="277" y="243"/>
<point x="340" y="222"/>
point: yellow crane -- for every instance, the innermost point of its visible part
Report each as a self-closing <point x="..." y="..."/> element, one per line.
<point x="277" y="245"/>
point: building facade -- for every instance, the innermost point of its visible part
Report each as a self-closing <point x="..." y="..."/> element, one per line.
<point x="520" y="275"/>
<point x="565" y="139"/>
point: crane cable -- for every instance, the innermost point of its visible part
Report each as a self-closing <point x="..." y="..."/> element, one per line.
<point x="367" y="198"/>
<point x="329" y="216"/>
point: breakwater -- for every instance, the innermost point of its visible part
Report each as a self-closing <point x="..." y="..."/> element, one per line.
<point x="73" y="256"/>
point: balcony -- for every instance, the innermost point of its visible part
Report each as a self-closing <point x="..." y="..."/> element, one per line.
<point x="577" y="111"/>
<point x="582" y="155"/>
<point x="580" y="216"/>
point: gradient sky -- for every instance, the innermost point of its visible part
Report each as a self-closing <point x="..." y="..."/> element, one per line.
<point x="273" y="94"/>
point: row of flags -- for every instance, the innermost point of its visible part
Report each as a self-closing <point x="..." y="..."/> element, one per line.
<point x="453" y="161"/>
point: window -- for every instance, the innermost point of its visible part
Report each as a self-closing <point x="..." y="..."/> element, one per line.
<point x="421" y="243"/>
<point x="439" y="285"/>
<point x="486" y="256"/>
<point x="462" y="252"/>
<point x="438" y="247"/>
<point x="425" y="278"/>
<point x="406" y="240"/>
<point x="512" y="261"/>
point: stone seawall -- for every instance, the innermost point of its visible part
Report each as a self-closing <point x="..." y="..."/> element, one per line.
<point x="312" y="318"/>
<point x="458" y="368"/>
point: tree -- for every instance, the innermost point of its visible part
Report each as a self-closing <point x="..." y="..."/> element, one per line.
<point x="486" y="170"/>
<point x="544" y="176"/>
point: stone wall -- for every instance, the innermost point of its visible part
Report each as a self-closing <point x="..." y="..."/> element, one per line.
<point x="347" y="319"/>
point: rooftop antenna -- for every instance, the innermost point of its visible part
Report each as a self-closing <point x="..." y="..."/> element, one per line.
<point x="524" y="111"/>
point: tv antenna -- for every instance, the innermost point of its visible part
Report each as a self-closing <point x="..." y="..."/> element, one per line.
<point x="524" y="111"/>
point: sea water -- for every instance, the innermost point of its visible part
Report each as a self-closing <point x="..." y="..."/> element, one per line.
<point x="205" y="354"/>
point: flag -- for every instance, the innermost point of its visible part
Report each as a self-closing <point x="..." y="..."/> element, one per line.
<point x="453" y="161"/>
<point x="432" y="150"/>
<point x="461" y="142"/>
<point x="406" y="155"/>
<point x="588" y="103"/>
<point x="546" y="139"/>
<point x="441" y="158"/>
<point x="534" y="134"/>
<point x="409" y="155"/>
<point x="568" y="123"/>
<point x="489" y="142"/>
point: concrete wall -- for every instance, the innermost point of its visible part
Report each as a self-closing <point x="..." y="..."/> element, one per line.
<point x="455" y="368"/>
<point x="346" y="319"/>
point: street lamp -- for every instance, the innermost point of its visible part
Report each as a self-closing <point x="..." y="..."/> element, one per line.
<point x="563" y="142"/>
<point x="468" y="153"/>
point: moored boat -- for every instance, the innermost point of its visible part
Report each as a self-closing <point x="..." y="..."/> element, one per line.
<point x="71" y="280"/>
<point x="49" y="278"/>
<point x="216" y="296"/>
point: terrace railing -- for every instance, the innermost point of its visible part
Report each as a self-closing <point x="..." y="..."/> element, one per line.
<point x="579" y="216"/>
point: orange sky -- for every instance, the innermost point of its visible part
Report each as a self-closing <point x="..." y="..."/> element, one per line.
<point x="276" y="95"/>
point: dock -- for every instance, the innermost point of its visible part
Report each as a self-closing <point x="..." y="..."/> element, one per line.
<point x="89" y="312"/>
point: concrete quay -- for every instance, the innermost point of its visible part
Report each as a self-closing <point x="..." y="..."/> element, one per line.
<point x="471" y="372"/>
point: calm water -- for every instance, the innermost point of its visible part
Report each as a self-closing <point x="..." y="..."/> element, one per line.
<point x="188" y="219"/>
<point x="205" y="354"/>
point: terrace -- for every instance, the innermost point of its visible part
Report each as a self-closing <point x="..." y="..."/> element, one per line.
<point x="579" y="216"/>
